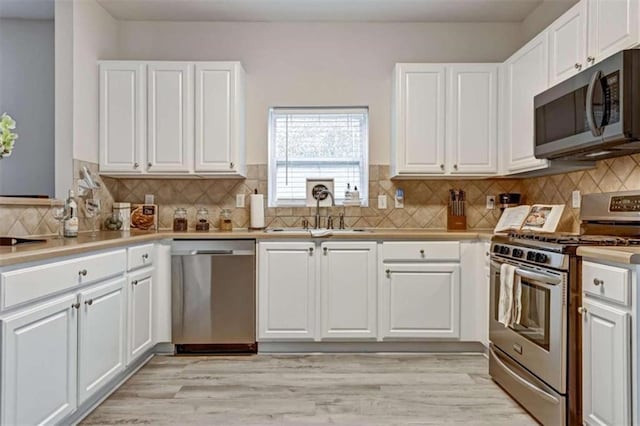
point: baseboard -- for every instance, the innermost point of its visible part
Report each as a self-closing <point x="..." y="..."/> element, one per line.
<point x="370" y="347"/>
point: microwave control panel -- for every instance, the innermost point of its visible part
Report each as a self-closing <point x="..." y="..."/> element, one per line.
<point x="625" y="203"/>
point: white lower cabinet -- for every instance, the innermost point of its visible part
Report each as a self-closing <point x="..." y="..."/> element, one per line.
<point x="102" y="337"/>
<point x="606" y="349"/>
<point x="286" y="291"/>
<point x="420" y="300"/>
<point x="140" y="316"/>
<point x="348" y="290"/>
<point x="39" y="349"/>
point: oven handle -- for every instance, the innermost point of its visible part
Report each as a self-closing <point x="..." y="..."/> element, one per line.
<point x="531" y="386"/>
<point x="532" y="275"/>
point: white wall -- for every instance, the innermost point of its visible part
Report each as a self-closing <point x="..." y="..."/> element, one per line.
<point x="95" y="37"/>
<point x="336" y="64"/>
<point x="27" y="94"/>
<point x="63" y="97"/>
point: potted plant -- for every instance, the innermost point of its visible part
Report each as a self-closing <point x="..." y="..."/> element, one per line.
<point x="7" y="137"/>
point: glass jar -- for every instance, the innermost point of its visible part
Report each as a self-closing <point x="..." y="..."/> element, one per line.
<point x="180" y="223"/>
<point x="202" y="220"/>
<point x="226" y="224"/>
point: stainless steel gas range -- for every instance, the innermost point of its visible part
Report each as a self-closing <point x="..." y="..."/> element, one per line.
<point x="537" y="359"/>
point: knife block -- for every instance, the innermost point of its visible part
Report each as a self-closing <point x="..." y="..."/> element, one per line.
<point x="456" y="217"/>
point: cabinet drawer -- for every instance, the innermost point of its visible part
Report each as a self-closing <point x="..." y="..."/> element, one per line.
<point x="607" y="282"/>
<point x="140" y="256"/>
<point x="415" y="250"/>
<point x="22" y="285"/>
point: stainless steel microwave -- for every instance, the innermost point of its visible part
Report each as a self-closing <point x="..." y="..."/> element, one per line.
<point x="593" y="115"/>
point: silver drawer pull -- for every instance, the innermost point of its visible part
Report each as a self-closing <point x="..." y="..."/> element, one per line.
<point x="88" y="302"/>
<point x="597" y="282"/>
<point x="310" y="250"/>
<point x="82" y="272"/>
<point x="75" y="305"/>
<point x="422" y="252"/>
<point x="145" y="256"/>
<point x="134" y="282"/>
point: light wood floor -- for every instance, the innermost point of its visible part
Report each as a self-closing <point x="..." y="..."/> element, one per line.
<point x="312" y="389"/>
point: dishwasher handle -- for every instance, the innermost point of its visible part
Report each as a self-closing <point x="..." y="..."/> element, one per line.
<point x="212" y="252"/>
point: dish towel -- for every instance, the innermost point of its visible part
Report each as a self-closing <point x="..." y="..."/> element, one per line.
<point x="509" y="303"/>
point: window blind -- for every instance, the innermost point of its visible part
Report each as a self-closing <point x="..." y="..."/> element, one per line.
<point x="316" y="143"/>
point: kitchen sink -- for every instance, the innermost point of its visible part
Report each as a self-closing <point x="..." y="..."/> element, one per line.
<point x="322" y="232"/>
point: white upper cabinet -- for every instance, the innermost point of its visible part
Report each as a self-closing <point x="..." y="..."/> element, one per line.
<point x="613" y="26"/>
<point x="472" y="118"/>
<point x="525" y="74"/>
<point x="568" y="43"/>
<point x="172" y="118"/>
<point x="419" y="119"/>
<point x="169" y="115"/>
<point x="219" y="117"/>
<point x="122" y="122"/>
<point x="445" y="119"/>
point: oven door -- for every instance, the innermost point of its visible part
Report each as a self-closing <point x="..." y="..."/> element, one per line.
<point x="538" y="341"/>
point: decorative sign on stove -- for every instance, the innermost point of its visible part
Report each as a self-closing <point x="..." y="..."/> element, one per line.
<point x="535" y="218"/>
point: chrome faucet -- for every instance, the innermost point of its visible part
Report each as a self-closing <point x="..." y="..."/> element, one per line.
<point x="317" y="196"/>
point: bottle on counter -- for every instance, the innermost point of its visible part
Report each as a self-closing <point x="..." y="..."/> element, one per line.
<point x="347" y="193"/>
<point x="71" y="223"/>
<point x="180" y="223"/>
<point x="202" y="220"/>
<point x="226" y="222"/>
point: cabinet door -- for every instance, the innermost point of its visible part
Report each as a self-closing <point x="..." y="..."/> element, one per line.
<point x="419" y="119"/>
<point x="605" y="365"/>
<point x="472" y="118"/>
<point x="286" y="291"/>
<point x="39" y="348"/>
<point x="526" y="75"/>
<point x="122" y="118"/>
<point x="169" y="117"/>
<point x="219" y="121"/>
<point x="420" y="301"/>
<point x="568" y="43"/>
<point x="613" y="26"/>
<point x="101" y="339"/>
<point x="140" y="319"/>
<point x="348" y="290"/>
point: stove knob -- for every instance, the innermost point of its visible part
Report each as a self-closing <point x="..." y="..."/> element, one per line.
<point x="504" y="250"/>
<point x="541" y="258"/>
<point x="496" y="248"/>
<point x="517" y="253"/>
<point x="531" y="256"/>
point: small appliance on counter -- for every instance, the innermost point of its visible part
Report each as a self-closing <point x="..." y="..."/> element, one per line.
<point x="456" y="217"/>
<point x="508" y="199"/>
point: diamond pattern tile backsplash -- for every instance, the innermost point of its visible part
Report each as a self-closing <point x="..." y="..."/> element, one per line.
<point x="425" y="200"/>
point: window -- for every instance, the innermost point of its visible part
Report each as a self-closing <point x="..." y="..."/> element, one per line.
<point x="317" y="143"/>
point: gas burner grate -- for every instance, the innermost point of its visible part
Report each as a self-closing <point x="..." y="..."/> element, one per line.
<point x="575" y="239"/>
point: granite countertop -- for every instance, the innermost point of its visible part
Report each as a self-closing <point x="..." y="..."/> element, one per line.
<point x="111" y="239"/>
<point x="628" y="255"/>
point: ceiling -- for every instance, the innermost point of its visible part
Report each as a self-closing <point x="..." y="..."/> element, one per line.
<point x="26" y="9"/>
<point x="324" y="10"/>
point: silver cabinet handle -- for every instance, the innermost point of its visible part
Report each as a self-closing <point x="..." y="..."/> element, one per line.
<point x="310" y="250"/>
<point x="441" y="166"/>
<point x="149" y="164"/>
<point x="582" y="310"/>
<point x="231" y="165"/>
<point x="88" y="302"/>
<point x="134" y="282"/>
<point x="597" y="282"/>
<point x="578" y="66"/>
<point x="591" y="59"/>
<point x="136" y="165"/>
<point x="82" y="272"/>
<point x="145" y="256"/>
<point x="75" y="305"/>
<point x="421" y="252"/>
<point x="455" y="166"/>
<point x="325" y="250"/>
<point x="388" y="272"/>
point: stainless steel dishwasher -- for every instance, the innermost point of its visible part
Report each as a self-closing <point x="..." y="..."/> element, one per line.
<point x="213" y="296"/>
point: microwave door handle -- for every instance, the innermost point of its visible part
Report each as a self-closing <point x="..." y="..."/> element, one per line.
<point x="591" y="119"/>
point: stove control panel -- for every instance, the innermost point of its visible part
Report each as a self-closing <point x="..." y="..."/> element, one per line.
<point x="625" y="203"/>
<point x="530" y="255"/>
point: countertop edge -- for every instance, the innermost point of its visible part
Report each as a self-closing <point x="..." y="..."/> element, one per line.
<point x="60" y="248"/>
<point x="624" y="255"/>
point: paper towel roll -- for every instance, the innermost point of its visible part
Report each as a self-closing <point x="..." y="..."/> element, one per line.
<point x="257" y="211"/>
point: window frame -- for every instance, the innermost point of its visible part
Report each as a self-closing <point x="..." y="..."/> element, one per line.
<point x="272" y="163"/>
